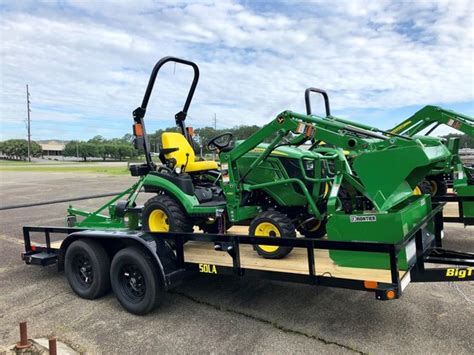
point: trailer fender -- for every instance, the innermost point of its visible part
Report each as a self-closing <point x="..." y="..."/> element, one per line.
<point x="160" y="252"/>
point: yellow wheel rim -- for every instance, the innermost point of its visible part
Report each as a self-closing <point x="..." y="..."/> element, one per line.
<point x="417" y="191"/>
<point x="267" y="229"/>
<point x="158" y="221"/>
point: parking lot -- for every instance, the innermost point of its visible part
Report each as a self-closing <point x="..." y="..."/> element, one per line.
<point x="216" y="314"/>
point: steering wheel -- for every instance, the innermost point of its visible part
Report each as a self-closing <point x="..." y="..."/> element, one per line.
<point x="220" y="142"/>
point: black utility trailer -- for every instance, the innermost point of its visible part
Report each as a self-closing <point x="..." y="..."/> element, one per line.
<point x="140" y="266"/>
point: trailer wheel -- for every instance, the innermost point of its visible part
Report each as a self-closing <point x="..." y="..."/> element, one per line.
<point x="272" y="224"/>
<point x="87" y="268"/>
<point x="135" y="281"/>
<point x="163" y="213"/>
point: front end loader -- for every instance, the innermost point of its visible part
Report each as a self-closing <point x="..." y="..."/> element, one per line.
<point x="449" y="172"/>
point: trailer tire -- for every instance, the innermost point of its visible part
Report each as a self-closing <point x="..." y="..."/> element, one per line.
<point x="87" y="268"/>
<point x="135" y="281"/>
<point x="274" y="224"/>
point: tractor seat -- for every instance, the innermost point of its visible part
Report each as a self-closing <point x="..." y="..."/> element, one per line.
<point x="180" y="147"/>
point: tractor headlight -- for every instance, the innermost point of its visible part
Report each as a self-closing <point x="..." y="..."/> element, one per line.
<point x="177" y="170"/>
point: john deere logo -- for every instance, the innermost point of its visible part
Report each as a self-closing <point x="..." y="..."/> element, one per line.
<point x="280" y="119"/>
<point x="355" y="219"/>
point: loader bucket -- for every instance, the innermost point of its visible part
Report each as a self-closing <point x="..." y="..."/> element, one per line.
<point x="390" y="175"/>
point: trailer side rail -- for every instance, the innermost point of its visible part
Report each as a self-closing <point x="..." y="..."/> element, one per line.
<point x="454" y="198"/>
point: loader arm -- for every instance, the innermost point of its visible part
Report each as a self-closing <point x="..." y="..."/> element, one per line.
<point x="393" y="183"/>
<point x="430" y="115"/>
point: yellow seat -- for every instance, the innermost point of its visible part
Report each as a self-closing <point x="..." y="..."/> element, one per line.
<point x="171" y="140"/>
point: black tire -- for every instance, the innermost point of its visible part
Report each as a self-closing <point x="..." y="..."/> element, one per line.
<point x="285" y="228"/>
<point x="425" y="188"/>
<point x="316" y="229"/>
<point x="439" y="187"/>
<point x="87" y="267"/>
<point x="135" y="281"/>
<point x="177" y="219"/>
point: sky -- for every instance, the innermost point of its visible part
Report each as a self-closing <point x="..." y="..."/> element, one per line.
<point x="87" y="63"/>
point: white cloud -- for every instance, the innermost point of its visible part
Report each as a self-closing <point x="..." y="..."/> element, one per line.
<point x="90" y="61"/>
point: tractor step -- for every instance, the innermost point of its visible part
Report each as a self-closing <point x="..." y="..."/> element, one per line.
<point x="42" y="258"/>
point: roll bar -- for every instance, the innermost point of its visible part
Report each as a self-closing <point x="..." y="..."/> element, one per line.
<point x="139" y="113"/>
<point x="307" y="100"/>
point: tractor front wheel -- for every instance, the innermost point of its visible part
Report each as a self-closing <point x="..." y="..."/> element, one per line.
<point x="423" y="188"/>
<point x="163" y="213"/>
<point x="272" y="224"/>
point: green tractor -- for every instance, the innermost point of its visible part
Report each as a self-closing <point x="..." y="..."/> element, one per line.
<point x="278" y="187"/>
<point x="450" y="172"/>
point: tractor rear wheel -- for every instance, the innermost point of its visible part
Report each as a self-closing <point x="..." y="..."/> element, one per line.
<point x="272" y="224"/>
<point x="163" y="213"/>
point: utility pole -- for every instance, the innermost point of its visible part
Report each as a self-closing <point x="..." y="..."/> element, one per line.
<point x="29" y="122"/>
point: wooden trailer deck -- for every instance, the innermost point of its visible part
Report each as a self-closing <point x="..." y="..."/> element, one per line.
<point x="296" y="262"/>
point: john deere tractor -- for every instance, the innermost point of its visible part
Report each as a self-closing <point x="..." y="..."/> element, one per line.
<point x="278" y="187"/>
<point x="450" y="172"/>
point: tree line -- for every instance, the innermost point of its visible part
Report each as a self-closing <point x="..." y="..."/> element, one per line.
<point x="17" y="149"/>
<point x="99" y="147"/>
<point x="122" y="148"/>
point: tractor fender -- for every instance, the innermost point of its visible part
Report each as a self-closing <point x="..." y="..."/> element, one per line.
<point x="159" y="252"/>
<point x="177" y="189"/>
